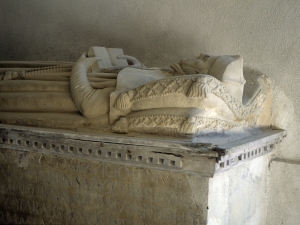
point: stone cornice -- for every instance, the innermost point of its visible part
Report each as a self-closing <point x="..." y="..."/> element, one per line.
<point x="174" y="156"/>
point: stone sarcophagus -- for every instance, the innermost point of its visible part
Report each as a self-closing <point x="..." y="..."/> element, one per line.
<point x="107" y="140"/>
<point x="61" y="177"/>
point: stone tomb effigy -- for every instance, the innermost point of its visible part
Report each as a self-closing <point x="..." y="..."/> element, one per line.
<point x="107" y="140"/>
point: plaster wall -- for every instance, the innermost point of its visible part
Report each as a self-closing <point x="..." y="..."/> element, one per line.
<point x="160" y="32"/>
<point x="284" y="195"/>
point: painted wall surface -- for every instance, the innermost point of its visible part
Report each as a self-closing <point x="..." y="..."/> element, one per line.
<point x="160" y="32"/>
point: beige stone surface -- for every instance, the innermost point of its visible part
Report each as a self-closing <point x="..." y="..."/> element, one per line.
<point x="265" y="33"/>
<point x="61" y="177"/>
<point x="200" y="95"/>
<point x="39" y="188"/>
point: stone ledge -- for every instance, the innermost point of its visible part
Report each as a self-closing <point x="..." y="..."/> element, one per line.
<point x="237" y="152"/>
<point x="174" y="156"/>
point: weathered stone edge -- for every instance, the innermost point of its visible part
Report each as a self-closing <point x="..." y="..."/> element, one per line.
<point x="238" y="152"/>
<point x="190" y="158"/>
<point x="181" y="156"/>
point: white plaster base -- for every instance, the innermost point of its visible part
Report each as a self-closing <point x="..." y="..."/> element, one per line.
<point x="237" y="196"/>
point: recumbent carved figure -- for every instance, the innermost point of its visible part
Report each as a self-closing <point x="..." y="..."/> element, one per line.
<point x="199" y="95"/>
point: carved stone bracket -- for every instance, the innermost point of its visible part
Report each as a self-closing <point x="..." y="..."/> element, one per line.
<point x="176" y="156"/>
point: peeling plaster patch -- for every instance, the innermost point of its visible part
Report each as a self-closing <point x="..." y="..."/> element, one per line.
<point x="283" y="110"/>
<point x="285" y="116"/>
<point x="22" y="159"/>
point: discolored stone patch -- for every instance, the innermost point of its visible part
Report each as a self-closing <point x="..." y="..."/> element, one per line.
<point x="40" y="188"/>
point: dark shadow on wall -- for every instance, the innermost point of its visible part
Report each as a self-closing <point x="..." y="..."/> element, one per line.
<point x="62" y="31"/>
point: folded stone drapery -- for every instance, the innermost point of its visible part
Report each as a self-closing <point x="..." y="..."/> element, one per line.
<point x="200" y="95"/>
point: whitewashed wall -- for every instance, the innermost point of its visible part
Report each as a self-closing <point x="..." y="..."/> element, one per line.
<point x="160" y="32"/>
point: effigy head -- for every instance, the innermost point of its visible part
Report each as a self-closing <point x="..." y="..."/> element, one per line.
<point x="198" y="65"/>
<point x="204" y="96"/>
<point x="212" y="65"/>
<point x="226" y="68"/>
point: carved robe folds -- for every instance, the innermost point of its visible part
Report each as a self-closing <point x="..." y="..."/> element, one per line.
<point x="206" y="94"/>
<point x="188" y="104"/>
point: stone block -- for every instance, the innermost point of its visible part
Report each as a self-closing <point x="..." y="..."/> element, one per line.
<point x="39" y="188"/>
<point x="62" y="177"/>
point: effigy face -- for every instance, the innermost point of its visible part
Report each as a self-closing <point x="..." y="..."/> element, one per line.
<point x="197" y="65"/>
<point x="105" y="88"/>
